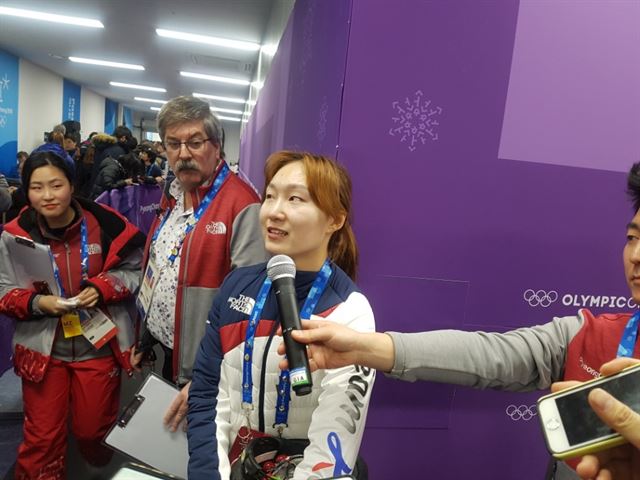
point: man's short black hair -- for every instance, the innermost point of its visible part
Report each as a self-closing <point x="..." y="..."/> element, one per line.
<point x="633" y="186"/>
<point x="122" y="131"/>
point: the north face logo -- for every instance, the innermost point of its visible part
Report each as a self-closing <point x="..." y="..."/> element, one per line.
<point x="216" y="228"/>
<point x="241" y="304"/>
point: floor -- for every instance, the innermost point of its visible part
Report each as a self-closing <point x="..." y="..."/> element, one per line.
<point x="11" y="432"/>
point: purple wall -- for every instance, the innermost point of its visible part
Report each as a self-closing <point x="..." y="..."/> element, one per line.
<point x="439" y="99"/>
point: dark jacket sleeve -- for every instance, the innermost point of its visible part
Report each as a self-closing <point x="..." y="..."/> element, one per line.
<point x="203" y="401"/>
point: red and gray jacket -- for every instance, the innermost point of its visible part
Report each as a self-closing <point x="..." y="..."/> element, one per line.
<point x="227" y="236"/>
<point x="115" y="254"/>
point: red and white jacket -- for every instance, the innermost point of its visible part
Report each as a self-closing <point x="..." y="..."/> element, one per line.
<point x="227" y="236"/>
<point x="115" y="254"/>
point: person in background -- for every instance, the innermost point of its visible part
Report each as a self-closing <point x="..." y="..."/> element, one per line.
<point x="531" y="358"/>
<point x="117" y="173"/>
<point x="18" y="197"/>
<point x="57" y="134"/>
<point x="97" y="256"/>
<point x="208" y="226"/>
<point x="21" y="157"/>
<point x="5" y="194"/>
<point x="108" y="146"/>
<point x="161" y="156"/>
<point x="71" y="144"/>
<point x="152" y="173"/>
<point x="306" y="215"/>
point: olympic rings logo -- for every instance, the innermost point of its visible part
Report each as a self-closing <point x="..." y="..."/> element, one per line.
<point x="522" y="412"/>
<point x="540" y="297"/>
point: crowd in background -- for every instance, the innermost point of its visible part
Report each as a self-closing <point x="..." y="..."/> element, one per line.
<point x="102" y="162"/>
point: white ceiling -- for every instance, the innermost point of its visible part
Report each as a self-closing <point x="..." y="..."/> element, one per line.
<point x="129" y="36"/>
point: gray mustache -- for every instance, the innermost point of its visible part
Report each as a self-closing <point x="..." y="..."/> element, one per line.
<point x="186" y="165"/>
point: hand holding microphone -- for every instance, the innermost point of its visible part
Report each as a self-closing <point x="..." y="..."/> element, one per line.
<point x="281" y="270"/>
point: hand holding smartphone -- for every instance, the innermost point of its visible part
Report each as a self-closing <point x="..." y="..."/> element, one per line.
<point x="571" y="427"/>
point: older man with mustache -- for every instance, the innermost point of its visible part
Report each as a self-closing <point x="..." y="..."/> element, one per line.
<point x="208" y="225"/>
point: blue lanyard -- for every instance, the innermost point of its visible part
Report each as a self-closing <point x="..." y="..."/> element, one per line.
<point x="191" y="223"/>
<point x="628" y="340"/>
<point x="284" y="389"/>
<point x="84" y="258"/>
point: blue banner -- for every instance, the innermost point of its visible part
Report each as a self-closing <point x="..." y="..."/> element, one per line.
<point x="70" y="101"/>
<point x="8" y="113"/>
<point x="127" y="118"/>
<point x="110" y="115"/>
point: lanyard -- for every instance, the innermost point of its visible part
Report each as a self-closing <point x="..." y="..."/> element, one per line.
<point x="284" y="390"/>
<point x="84" y="258"/>
<point x="628" y="340"/>
<point x="191" y="223"/>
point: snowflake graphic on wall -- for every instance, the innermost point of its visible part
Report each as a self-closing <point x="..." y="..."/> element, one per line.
<point x="415" y="121"/>
<point x="3" y="121"/>
<point x="4" y="85"/>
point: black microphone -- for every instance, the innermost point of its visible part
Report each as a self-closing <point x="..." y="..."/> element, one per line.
<point x="282" y="272"/>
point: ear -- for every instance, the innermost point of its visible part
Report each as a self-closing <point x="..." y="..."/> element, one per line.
<point x="336" y="223"/>
<point x="217" y="148"/>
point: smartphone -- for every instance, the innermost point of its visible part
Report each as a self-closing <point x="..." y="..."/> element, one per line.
<point x="571" y="428"/>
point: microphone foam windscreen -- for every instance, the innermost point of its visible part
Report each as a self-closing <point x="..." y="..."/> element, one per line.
<point x="281" y="266"/>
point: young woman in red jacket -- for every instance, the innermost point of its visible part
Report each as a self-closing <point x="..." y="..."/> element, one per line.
<point x="68" y="370"/>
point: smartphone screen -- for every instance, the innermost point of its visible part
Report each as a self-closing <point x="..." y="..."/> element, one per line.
<point x="580" y="422"/>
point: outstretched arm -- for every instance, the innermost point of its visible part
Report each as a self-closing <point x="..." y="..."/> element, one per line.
<point x="332" y="345"/>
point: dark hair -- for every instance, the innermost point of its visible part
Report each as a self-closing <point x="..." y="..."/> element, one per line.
<point x="633" y="186"/>
<point x="22" y="154"/>
<point x="329" y="185"/>
<point x="122" y="131"/>
<point x="133" y="166"/>
<point x="149" y="150"/>
<point x="42" y="159"/>
<point x="73" y="136"/>
<point x="72" y="126"/>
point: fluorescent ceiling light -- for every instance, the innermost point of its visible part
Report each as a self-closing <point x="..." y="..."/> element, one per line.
<point x="139" y="87"/>
<point x="231" y="119"/>
<point x="269" y="49"/>
<point x="221" y="99"/>
<point x="226" y="110"/>
<point x="221" y="42"/>
<point x="106" y="63"/>
<point x="155" y="109"/>
<point x="257" y="85"/>
<point x="51" y="17"/>
<point x="150" y="100"/>
<point x="215" y="78"/>
<point x="251" y="103"/>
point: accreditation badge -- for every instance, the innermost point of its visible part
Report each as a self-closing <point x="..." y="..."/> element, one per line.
<point x="71" y="324"/>
<point x="149" y="281"/>
<point x="98" y="328"/>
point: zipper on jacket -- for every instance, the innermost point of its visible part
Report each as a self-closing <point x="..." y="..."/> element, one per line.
<point x="263" y="374"/>
<point x="185" y="251"/>
<point x="68" y="255"/>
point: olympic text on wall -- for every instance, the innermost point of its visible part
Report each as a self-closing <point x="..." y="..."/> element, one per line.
<point x="70" y="101"/>
<point x="8" y="113"/>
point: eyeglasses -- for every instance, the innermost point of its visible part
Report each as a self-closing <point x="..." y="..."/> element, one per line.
<point x="193" y="145"/>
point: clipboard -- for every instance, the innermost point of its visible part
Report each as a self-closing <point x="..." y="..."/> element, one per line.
<point x="32" y="264"/>
<point x="133" y="471"/>
<point x="140" y="433"/>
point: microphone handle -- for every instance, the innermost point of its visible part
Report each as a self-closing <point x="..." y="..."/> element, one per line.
<point x="299" y="372"/>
